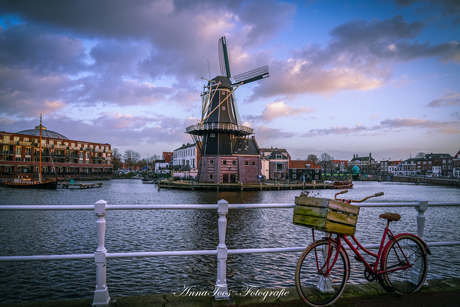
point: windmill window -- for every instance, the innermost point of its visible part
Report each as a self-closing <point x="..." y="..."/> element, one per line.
<point x="211" y="162"/>
<point x="253" y="163"/>
<point x="224" y="162"/>
<point x="234" y="162"/>
<point x="246" y="162"/>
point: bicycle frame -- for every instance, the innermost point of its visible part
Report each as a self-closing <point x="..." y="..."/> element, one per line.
<point x="373" y="269"/>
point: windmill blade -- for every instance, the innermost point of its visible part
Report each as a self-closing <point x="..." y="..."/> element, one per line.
<point x="252" y="75"/>
<point x="223" y="58"/>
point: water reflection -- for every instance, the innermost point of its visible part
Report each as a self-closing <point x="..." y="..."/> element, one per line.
<point x="58" y="232"/>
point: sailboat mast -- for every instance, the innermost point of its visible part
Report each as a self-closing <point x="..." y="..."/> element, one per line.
<point x="40" y="162"/>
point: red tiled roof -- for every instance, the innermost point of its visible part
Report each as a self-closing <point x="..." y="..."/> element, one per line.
<point x="301" y="164"/>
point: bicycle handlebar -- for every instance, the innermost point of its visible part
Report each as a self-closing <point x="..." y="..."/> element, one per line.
<point x="357" y="201"/>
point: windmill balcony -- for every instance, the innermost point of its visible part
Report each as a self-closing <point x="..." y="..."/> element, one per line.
<point x="197" y="129"/>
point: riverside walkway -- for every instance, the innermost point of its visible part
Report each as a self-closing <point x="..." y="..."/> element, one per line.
<point x="442" y="292"/>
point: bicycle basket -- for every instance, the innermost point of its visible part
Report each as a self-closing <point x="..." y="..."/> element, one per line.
<point x="326" y="215"/>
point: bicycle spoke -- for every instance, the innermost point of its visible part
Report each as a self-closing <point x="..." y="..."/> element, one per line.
<point x="405" y="264"/>
<point x="319" y="282"/>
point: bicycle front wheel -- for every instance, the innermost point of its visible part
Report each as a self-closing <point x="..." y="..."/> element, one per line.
<point x="406" y="263"/>
<point x="318" y="280"/>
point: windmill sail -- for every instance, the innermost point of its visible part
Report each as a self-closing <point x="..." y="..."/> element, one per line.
<point x="223" y="58"/>
<point x="252" y="75"/>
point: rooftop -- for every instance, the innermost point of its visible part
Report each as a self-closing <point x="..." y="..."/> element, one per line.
<point x="45" y="133"/>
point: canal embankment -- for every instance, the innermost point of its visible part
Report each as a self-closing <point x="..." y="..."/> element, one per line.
<point x="185" y="185"/>
<point x="438" y="292"/>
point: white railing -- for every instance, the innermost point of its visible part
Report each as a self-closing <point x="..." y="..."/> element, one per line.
<point x="101" y="293"/>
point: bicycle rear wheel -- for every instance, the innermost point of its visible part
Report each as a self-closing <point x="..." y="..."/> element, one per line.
<point x="314" y="285"/>
<point x="407" y="256"/>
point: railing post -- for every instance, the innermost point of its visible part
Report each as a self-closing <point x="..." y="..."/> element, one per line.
<point x="101" y="294"/>
<point x="221" y="290"/>
<point x="422" y="206"/>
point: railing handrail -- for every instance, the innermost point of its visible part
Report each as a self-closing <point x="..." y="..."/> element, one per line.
<point x="101" y="295"/>
<point x="203" y="206"/>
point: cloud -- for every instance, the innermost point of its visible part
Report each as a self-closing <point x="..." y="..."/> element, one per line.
<point x="265" y="134"/>
<point x="359" y="56"/>
<point x="448" y="8"/>
<point x="337" y="130"/>
<point x="446" y="127"/>
<point x="119" y="53"/>
<point x="450" y="99"/>
<point x="437" y="126"/>
<point x="281" y="109"/>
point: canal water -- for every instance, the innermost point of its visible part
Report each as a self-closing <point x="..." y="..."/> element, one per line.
<point x="74" y="232"/>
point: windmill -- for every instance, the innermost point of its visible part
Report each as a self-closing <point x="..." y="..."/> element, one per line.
<point x="220" y="132"/>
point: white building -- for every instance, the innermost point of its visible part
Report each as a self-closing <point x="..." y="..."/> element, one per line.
<point x="185" y="160"/>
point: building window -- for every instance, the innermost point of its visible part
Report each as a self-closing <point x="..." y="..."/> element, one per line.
<point x="211" y="162"/>
<point x="224" y="162"/>
<point x="246" y="162"/>
<point x="279" y="166"/>
<point x="234" y="162"/>
<point x="211" y="176"/>
<point x="253" y="163"/>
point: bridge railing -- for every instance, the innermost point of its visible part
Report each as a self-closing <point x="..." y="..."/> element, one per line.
<point x="101" y="293"/>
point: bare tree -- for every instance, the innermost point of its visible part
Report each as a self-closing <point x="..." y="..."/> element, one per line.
<point x="131" y="157"/>
<point x="325" y="161"/>
<point x="313" y="158"/>
<point x="116" y="159"/>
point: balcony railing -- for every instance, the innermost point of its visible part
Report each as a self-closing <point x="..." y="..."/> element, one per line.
<point x="223" y="127"/>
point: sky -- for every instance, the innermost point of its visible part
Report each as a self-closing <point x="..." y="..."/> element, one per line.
<point x="346" y="77"/>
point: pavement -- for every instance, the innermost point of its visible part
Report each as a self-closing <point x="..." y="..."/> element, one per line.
<point x="439" y="293"/>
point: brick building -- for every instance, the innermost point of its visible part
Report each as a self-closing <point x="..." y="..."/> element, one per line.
<point x="20" y="153"/>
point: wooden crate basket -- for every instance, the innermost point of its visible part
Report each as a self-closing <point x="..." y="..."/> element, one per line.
<point x="325" y="215"/>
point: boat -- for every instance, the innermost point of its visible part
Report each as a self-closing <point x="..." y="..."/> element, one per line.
<point x="25" y="181"/>
<point x="343" y="184"/>
<point x="148" y="180"/>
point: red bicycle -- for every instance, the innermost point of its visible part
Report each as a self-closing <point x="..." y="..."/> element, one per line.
<point x="323" y="269"/>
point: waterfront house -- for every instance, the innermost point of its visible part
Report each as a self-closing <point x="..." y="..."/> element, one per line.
<point x="304" y="170"/>
<point x="185" y="160"/>
<point x="367" y="164"/>
<point x="439" y="164"/>
<point x="278" y="165"/>
<point x="340" y="165"/>
<point x="456" y="165"/>
<point x="409" y="167"/>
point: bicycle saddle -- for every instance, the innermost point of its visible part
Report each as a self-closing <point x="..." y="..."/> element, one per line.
<point x="390" y="216"/>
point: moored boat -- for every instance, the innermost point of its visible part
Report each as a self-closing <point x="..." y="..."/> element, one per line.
<point x="25" y="182"/>
<point x="343" y="184"/>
